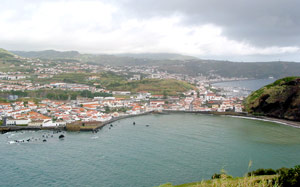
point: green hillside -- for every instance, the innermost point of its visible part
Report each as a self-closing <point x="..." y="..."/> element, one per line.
<point x="116" y="82"/>
<point x="280" y="99"/>
<point x="154" y="86"/>
<point x="6" y="55"/>
<point x="174" y="63"/>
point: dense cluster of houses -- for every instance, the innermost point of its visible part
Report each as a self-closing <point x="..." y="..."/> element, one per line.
<point x="58" y="113"/>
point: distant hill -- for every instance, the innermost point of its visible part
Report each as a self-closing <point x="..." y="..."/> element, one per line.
<point x="234" y="69"/>
<point x="48" y="54"/>
<point x="6" y="56"/>
<point x="280" y="99"/>
<point x="159" y="56"/>
<point x="175" y="63"/>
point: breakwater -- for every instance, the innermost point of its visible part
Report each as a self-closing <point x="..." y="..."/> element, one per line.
<point x="5" y="129"/>
<point x="122" y="117"/>
<point x="83" y="126"/>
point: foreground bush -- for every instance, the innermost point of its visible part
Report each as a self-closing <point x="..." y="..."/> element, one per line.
<point x="290" y="177"/>
<point x="262" y="172"/>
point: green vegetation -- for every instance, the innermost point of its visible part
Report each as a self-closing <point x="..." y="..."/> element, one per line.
<point x="260" y="177"/>
<point x="53" y="94"/>
<point x="174" y="63"/>
<point x="25" y="100"/>
<point x="111" y="110"/>
<point x="72" y="95"/>
<point x="89" y="94"/>
<point x="2" y="100"/>
<point x="48" y="54"/>
<point x="266" y="181"/>
<point x="105" y="78"/>
<point x="269" y="171"/>
<point x="280" y="82"/>
<point x="154" y="86"/>
<point x="114" y="82"/>
<point x="79" y="78"/>
<point x="1" y="123"/>
<point x="290" y="177"/>
<point x="19" y="93"/>
<point x="7" y="57"/>
<point x="280" y="99"/>
<point x="4" y="55"/>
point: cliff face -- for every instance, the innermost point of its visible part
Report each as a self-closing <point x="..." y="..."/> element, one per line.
<point x="280" y="99"/>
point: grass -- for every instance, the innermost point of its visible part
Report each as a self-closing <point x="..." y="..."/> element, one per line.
<point x="281" y="81"/>
<point x="2" y="100"/>
<point x="154" y="86"/>
<point x="264" y="180"/>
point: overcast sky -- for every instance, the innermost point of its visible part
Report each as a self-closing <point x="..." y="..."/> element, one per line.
<point x="239" y="30"/>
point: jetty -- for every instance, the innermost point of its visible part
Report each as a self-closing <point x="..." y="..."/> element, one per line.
<point x="96" y="125"/>
<point x="75" y="126"/>
<point x="4" y="129"/>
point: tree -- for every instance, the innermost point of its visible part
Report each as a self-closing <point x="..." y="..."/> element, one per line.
<point x="73" y="96"/>
<point x="86" y="93"/>
<point x="63" y="96"/>
<point x="50" y="96"/>
<point x="107" y="109"/>
<point x="165" y="94"/>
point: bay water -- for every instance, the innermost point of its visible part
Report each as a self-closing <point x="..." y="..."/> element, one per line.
<point x="176" y="148"/>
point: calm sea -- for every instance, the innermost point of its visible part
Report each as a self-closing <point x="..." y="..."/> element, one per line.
<point x="247" y="84"/>
<point x="176" y="148"/>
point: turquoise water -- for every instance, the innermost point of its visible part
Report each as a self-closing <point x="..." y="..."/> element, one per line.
<point x="176" y="148"/>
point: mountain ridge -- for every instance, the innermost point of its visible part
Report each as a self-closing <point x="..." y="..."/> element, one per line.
<point x="192" y="66"/>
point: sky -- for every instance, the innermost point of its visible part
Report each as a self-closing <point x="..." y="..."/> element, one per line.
<point x="236" y="30"/>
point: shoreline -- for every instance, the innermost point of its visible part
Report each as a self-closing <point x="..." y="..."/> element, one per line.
<point x="294" y="124"/>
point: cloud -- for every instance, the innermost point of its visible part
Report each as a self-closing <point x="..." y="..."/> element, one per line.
<point x="197" y="28"/>
<point x="263" y="23"/>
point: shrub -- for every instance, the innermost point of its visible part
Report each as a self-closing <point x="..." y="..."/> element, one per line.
<point x="221" y="175"/>
<point x="262" y="172"/>
<point x="290" y="177"/>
